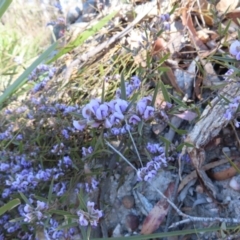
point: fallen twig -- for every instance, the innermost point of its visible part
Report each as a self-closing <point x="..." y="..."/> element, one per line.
<point x="195" y="219"/>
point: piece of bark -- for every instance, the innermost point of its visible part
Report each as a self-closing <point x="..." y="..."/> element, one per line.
<point x="210" y="124"/>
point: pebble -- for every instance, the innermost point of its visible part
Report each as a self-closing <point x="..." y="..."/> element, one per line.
<point x="227" y="151"/>
<point x="128" y="201"/>
<point x="73" y="14"/>
<point x="132" y="222"/>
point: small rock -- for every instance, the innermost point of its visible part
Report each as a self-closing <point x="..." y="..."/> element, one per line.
<point x="227" y="151"/>
<point x="117" y="231"/>
<point x="128" y="201"/>
<point x="132" y="222"/>
<point x="73" y="14"/>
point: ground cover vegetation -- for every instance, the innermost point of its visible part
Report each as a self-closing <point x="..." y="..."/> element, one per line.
<point x="66" y="129"/>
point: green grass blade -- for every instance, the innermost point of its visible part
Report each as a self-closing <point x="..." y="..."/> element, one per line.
<point x="50" y="191"/>
<point x="23" y="77"/>
<point x="155" y="94"/>
<point x="25" y="199"/>
<point x="4" y="4"/>
<point x="83" y="37"/>
<point x="10" y="205"/>
<point x="123" y="88"/>
<point x="63" y="213"/>
<point x="168" y="234"/>
<point x="165" y="92"/>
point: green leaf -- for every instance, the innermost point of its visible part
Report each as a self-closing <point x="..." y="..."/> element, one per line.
<point x="25" y="199"/>
<point x="179" y="131"/>
<point x="67" y="226"/>
<point x="123" y="88"/>
<point x="179" y="102"/>
<point x="165" y="92"/>
<point x="167" y="144"/>
<point x="83" y="37"/>
<point x="21" y="80"/>
<point x="4" y="4"/>
<point x="180" y="146"/>
<point x="63" y="213"/>
<point x="140" y="127"/>
<point x="169" y="234"/>
<point x="155" y="94"/>
<point x="10" y="205"/>
<point x="164" y="58"/>
<point x="50" y="191"/>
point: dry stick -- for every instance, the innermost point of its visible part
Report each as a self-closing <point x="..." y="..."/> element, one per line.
<point x="195" y="219"/>
<point x="85" y="57"/>
<point x="116" y="151"/>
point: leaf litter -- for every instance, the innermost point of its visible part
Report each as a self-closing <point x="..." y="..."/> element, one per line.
<point x="197" y="112"/>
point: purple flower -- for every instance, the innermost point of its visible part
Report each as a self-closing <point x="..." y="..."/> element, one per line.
<point x="115" y="131"/>
<point x="164" y="17"/>
<point x="44" y="175"/>
<point x="141" y="106"/>
<point x="90" y="108"/>
<point x="6" y="192"/>
<point x="90" y="187"/>
<point x="107" y="123"/>
<point x="121" y="106"/>
<point x="67" y="161"/>
<point x="129" y="89"/>
<point x="69" y="109"/>
<point x="166" y="26"/>
<point x="102" y="112"/>
<point x="4" y="167"/>
<point x="82" y="220"/>
<point x="148" y="113"/>
<point x="19" y="137"/>
<point x="78" y="126"/>
<point x="236" y="123"/>
<point x="27" y="208"/>
<point x="58" y="6"/>
<point x="60" y="188"/>
<point x="135" y="82"/>
<point x="116" y="118"/>
<point x="228" y="74"/>
<point x="65" y="133"/>
<point x="86" y="151"/>
<point x="118" y="93"/>
<point x="228" y="114"/>
<point x="235" y="49"/>
<point x="41" y="206"/>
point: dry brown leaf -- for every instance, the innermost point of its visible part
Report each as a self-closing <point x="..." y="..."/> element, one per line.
<point x="234" y="15"/>
<point x="225" y="5"/>
<point x="193" y="174"/>
<point x="187" y="22"/>
<point x="210" y="75"/>
<point x="197" y="89"/>
<point x="158" y="213"/>
<point x="170" y="79"/>
<point x="158" y="46"/>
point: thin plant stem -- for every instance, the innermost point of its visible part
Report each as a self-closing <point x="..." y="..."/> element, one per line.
<point x="136" y="150"/>
<point x="235" y="132"/>
<point x="116" y="151"/>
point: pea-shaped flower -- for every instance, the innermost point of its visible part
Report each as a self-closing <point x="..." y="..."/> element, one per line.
<point x="235" y="49"/>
